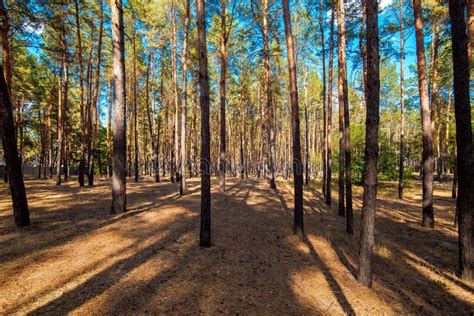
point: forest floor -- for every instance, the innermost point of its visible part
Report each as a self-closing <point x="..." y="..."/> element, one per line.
<point x="77" y="257"/>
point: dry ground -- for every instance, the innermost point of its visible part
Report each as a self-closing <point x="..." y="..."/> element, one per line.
<point x="78" y="258"/>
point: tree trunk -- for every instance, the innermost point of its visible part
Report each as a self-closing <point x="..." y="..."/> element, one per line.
<point x="222" y="95"/>
<point x="96" y="97"/>
<point x="427" y="154"/>
<point x="329" y="111"/>
<point x="344" y="100"/>
<point x="135" y="107"/>
<point x="369" y="205"/>
<point x="325" y="108"/>
<point x="81" y="86"/>
<point x="268" y="93"/>
<point x="119" y="201"/>
<point x="108" y="133"/>
<point x="7" y="130"/>
<point x="340" y="89"/>
<point x="298" y="227"/>
<point x="205" y="231"/>
<point x="402" y="105"/>
<point x="182" y="173"/>
<point x="174" y="83"/>
<point x="462" y="110"/>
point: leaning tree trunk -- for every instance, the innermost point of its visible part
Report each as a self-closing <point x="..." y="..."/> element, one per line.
<point x="182" y="172"/>
<point x="205" y="231"/>
<point x="465" y="164"/>
<point x="298" y="225"/>
<point x="119" y="199"/>
<point x="427" y="154"/>
<point x="371" y="146"/>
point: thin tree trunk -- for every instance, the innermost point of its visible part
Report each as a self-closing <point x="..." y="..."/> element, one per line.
<point x="344" y="99"/>
<point x="96" y="96"/>
<point x="81" y="86"/>
<point x="182" y="173"/>
<point x="465" y="163"/>
<point x="268" y="93"/>
<point x="369" y="205"/>
<point x="109" y="127"/>
<point x="135" y="107"/>
<point x="402" y="105"/>
<point x="119" y="201"/>
<point x="340" y="89"/>
<point x="325" y="106"/>
<point x="298" y="227"/>
<point x="174" y="83"/>
<point x="205" y="231"/>
<point x="329" y="111"/>
<point x="427" y="154"/>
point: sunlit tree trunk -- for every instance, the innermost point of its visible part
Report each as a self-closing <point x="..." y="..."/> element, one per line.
<point x="108" y="132"/>
<point x="427" y="154"/>
<point x="298" y="227"/>
<point x="465" y="163"/>
<point x="369" y="205"/>
<point x="222" y="95"/>
<point x="205" y="164"/>
<point x="119" y="201"/>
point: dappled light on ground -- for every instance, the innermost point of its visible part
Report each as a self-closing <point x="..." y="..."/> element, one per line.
<point x="78" y="257"/>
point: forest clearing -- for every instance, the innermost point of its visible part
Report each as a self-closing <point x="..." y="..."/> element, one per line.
<point x="78" y="258"/>
<point x="256" y="157"/>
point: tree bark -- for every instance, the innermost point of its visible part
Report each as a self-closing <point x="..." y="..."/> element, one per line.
<point x="325" y="108"/>
<point x="119" y="200"/>
<point x="369" y="205"/>
<point x="182" y="173"/>
<point x="205" y="165"/>
<point x="344" y="100"/>
<point x="340" y="90"/>
<point x="7" y="130"/>
<point x="222" y="95"/>
<point x="427" y="154"/>
<point x="174" y="83"/>
<point x="268" y="93"/>
<point x="465" y="163"/>
<point x="401" y="165"/>
<point x="329" y="111"/>
<point x="81" y="86"/>
<point x="298" y="225"/>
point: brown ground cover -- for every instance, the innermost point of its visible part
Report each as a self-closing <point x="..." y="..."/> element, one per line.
<point x="76" y="257"/>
